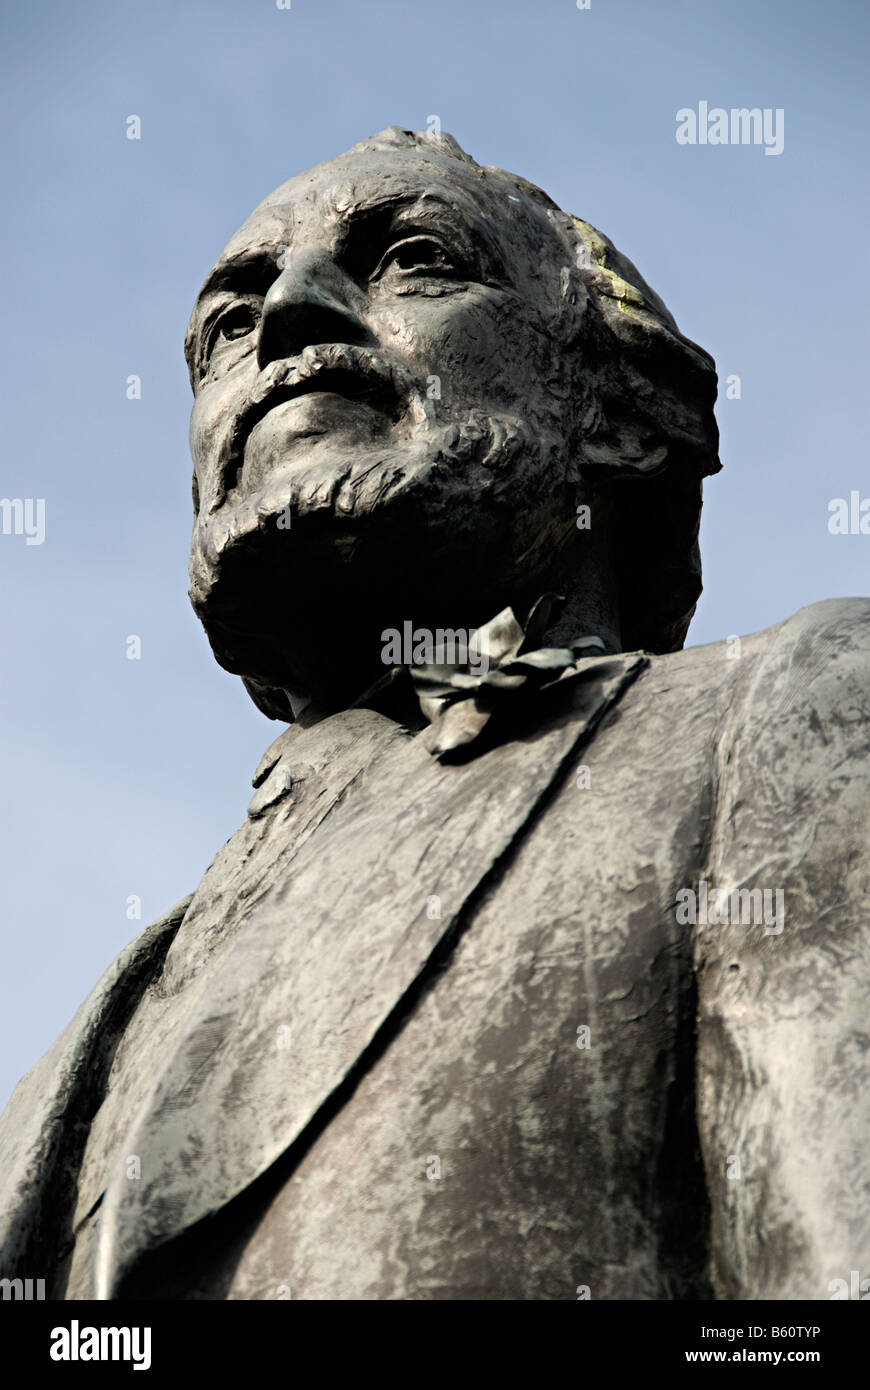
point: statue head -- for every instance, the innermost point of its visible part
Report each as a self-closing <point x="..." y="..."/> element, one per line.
<point x="423" y="392"/>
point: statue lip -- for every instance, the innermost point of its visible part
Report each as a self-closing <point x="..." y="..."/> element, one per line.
<point x="337" y="381"/>
<point x="358" y="374"/>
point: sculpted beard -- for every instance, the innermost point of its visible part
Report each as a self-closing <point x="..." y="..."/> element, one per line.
<point x="454" y="502"/>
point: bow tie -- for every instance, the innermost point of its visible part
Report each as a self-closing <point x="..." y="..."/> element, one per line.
<point x="503" y="668"/>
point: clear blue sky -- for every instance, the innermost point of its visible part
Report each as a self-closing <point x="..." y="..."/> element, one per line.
<point x="125" y="777"/>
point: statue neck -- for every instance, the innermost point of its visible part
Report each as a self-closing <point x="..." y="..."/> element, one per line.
<point x="583" y="573"/>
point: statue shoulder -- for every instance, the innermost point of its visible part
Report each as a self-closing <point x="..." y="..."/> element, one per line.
<point x="129" y="972"/>
<point x="791" y="693"/>
<point x="821" y="653"/>
<point x="845" y="621"/>
<point x="45" y="1124"/>
<point x="817" y="659"/>
<point x="793" y="752"/>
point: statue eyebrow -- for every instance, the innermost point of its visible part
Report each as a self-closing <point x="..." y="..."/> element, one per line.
<point x="396" y="202"/>
<point x="249" y="271"/>
<point x="392" y="212"/>
<point x="253" y="270"/>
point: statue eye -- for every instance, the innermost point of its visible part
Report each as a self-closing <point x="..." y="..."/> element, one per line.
<point x="236" y="322"/>
<point x="419" y="253"/>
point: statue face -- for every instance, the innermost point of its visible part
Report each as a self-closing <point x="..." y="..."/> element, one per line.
<point x="378" y="427"/>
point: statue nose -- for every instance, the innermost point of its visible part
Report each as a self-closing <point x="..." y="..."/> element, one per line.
<point x="310" y="302"/>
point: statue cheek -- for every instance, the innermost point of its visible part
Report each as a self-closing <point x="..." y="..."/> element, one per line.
<point x="201" y="437"/>
<point x="451" y="328"/>
<point x="211" y="422"/>
<point x="217" y="404"/>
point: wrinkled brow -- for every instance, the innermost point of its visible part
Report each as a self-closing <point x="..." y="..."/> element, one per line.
<point x="242" y="271"/>
<point x="250" y="271"/>
<point x="253" y="269"/>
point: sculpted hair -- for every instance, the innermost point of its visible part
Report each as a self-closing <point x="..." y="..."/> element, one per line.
<point x="646" y="404"/>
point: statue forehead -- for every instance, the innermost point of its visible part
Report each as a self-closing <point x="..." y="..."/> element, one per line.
<point x="369" y="176"/>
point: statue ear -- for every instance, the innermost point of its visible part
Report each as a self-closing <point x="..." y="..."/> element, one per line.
<point x="646" y="392"/>
<point x="644" y="423"/>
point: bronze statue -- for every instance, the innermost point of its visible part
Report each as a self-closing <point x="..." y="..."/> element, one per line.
<point x="536" y="970"/>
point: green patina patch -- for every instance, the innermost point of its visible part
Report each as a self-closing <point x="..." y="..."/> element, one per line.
<point x="627" y="296"/>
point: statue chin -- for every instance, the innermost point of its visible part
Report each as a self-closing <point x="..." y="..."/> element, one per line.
<point x="278" y="569"/>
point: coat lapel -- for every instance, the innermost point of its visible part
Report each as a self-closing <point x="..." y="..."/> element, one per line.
<point x="326" y="962"/>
